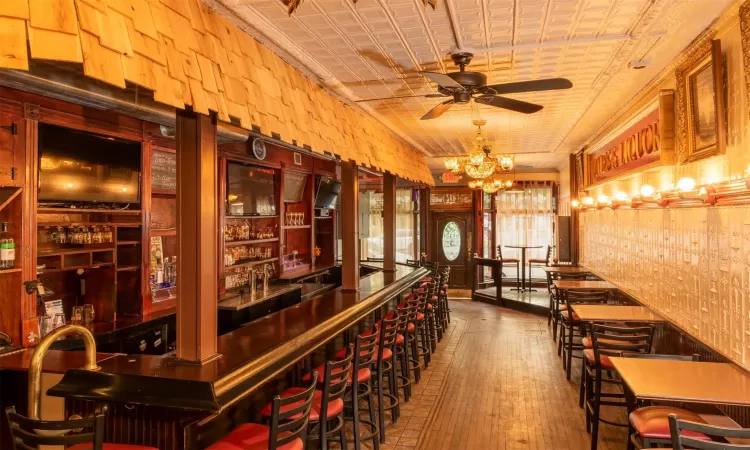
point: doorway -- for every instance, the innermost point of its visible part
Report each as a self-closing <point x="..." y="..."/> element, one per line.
<point x="452" y="239"/>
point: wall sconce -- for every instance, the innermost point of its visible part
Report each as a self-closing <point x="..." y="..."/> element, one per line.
<point x="587" y="202"/>
<point x="707" y="194"/>
<point x="603" y="201"/>
<point x="575" y="203"/>
<point x="620" y="199"/>
<point x="686" y="184"/>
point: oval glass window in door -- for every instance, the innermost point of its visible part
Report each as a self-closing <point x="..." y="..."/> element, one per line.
<point x="451" y="241"/>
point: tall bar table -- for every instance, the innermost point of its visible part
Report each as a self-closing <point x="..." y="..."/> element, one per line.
<point x="523" y="265"/>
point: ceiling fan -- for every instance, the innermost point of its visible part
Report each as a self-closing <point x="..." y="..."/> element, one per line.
<point x="464" y="86"/>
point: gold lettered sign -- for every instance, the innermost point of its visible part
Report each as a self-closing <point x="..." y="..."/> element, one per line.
<point x="638" y="146"/>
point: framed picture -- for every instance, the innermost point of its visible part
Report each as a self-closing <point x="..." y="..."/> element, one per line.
<point x="157" y="253"/>
<point x="701" y="106"/>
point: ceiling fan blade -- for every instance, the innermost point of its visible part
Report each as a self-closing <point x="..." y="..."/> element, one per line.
<point x="441" y="79"/>
<point x="509" y="103"/>
<point x="438" y="111"/>
<point x="398" y="97"/>
<point x="549" y="84"/>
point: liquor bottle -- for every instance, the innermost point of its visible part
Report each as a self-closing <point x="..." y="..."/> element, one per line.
<point x="7" y="248"/>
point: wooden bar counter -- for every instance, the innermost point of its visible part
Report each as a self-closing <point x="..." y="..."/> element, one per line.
<point x="251" y="355"/>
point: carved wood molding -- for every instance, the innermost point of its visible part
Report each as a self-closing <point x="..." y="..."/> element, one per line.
<point x="745" y="39"/>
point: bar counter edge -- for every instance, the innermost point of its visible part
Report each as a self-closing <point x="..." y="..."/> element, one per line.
<point x="251" y="355"/>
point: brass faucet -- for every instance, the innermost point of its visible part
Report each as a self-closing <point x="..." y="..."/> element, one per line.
<point x="37" y="358"/>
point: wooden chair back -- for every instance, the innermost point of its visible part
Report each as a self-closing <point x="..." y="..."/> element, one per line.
<point x="609" y="340"/>
<point x="291" y="424"/>
<point x="335" y="380"/>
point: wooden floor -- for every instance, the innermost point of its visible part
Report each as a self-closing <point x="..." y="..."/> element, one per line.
<point x="497" y="383"/>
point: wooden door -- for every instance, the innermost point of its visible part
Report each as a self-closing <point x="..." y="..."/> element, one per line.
<point x="452" y="240"/>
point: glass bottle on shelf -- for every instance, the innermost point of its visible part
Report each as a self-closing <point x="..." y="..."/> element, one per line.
<point x="7" y="248"/>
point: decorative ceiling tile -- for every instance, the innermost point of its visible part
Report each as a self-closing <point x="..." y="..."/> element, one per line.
<point x="376" y="48"/>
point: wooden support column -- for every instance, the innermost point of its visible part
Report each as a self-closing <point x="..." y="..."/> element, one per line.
<point x="424" y="222"/>
<point x="197" y="231"/>
<point x="389" y="222"/>
<point x="349" y="227"/>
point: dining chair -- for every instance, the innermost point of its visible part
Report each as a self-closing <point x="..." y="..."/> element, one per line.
<point x="609" y="341"/>
<point x="650" y="424"/>
<point x="681" y="431"/>
<point x="571" y="328"/>
<point x="555" y="305"/>
<point x="538" y="262"/>
<point x="510" y="262"/>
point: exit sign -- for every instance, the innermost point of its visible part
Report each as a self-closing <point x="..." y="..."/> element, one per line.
<point x="448" y="177"/>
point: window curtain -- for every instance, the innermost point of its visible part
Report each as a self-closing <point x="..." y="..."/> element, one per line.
<point x="526" y="217"/>
<point x="405" y="239"/>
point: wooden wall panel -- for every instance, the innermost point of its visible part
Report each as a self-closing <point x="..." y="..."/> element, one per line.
<point x="165" y="44"/>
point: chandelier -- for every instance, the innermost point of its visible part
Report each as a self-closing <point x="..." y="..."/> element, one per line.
<point x="480" y="164"/>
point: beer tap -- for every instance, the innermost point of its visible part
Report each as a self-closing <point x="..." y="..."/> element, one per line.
<point x="267" y="268"/>
<point x="253" y="283"/>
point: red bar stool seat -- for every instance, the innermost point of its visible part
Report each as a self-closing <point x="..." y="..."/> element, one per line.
<point x="289" y="421"/>
<point x="335" y="407"/>
<point x="363" y="374"/>
<point x="652" y="422"/>
<point x="252" y="436"/>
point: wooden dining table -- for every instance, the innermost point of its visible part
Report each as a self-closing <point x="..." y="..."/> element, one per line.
<point x="616" y="313"/>
<point x="566" y="270"/>
<point x="584" y="285"/>
<point x="684" y="381"/>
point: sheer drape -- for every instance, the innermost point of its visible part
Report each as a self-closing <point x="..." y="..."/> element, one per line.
<point x="526" y="217"/>
<point x="405" y="239"/>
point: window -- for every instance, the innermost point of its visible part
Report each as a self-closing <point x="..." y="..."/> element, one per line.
<point x="526" y="217"/>
<point x="405" y="238"/>
<point x="451" y="241"/>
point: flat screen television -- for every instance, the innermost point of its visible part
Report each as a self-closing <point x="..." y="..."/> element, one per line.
<point x="250" y="190"/>
<point x="327" y="193"/>
<point x="76" y="166"/>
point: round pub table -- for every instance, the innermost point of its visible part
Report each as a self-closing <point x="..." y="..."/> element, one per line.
<point x="523" y="265"/>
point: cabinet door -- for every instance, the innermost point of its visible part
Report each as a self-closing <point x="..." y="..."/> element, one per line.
<point x="11" y="151"/>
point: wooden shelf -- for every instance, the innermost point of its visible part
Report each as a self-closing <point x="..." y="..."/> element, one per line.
<point x="125" y="212"/>
<point x="251" y="241"/>
<point x="86" y="266"/>
<point x="296" y="227"/>
<point x="252" y="263"/>
<point x="164" y="232"/>
<point x="73" y="251"/>
<point x="128" y="242"/>
<point x="252" y="217"/>
<point x="13" y="270"/>
<point x="128" y="268"/>
<point x="73" y="223"/>
<point x="7" y="194"/>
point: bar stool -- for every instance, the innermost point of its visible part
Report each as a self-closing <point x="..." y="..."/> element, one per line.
<point x="650" y="424"/>
<point x="385" y="369"/>
<point x="327" y="405"/>
<point x="30" y="434"/>
<point x="288" y="430"/>
<point x="538" y="262"/>
<point x="360" y="387"/>
<point x="407" y="312"/>
<point x="609" y="341"/>
<point x="683" y="435"/>
<point x="510" y="262"/>
<point x="445" y="311"/>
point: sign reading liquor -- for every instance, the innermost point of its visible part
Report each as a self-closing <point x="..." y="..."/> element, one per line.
<point x="638" y="146"/>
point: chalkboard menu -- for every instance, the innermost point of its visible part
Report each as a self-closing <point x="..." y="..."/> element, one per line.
<point x="294" y="186"/>
<point x="163" y="171"/>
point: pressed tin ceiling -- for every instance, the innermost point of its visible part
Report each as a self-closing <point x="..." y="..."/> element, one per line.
<point x="375" y="48"/>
